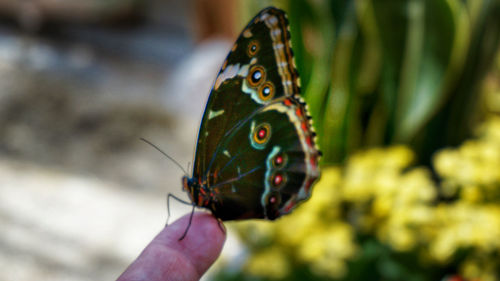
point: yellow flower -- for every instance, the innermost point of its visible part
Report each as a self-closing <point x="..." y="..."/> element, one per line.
<point x="444" y="245"/>
<point x="471" y="269"/>
<point x="378" y="194"/>
<point x="398" y="157"/>
<point x="446" y="162"/>
<point x="491" y="130"/>
<point x="254" y="232"/>
<point x="402" y="239"/>
<point x="464" y="225"/>
<point x="293" y="229"/>
<point x="475" y="161"/>
<point x="326" y="192"/>
<point x="472" y="194"/>
<point x="271" y="263"/>
<point x="479" y="268"/>
<point x="382" y="206"/>
<point x="314" y="214"/>
<point x="334" y="268"/>
<point x="416" y="186"/>
<point x="374" y="171"/>
<point x="329" y="248"/>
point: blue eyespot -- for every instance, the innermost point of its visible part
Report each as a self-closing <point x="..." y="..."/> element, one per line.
<point x="256" y="75"/>
<point x="266" y="91"/>
<point x="253" y="48"/>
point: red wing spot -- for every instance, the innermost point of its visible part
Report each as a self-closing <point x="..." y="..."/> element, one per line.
<point x="313" y="162"/>
<point x="304" y="126"/>
<point x="306" y="188"/>
<point x="279" y="160"/>
<point x="278" y="179"/>
<point x="262" y="133"/>
<point x="287" y="102"/>
<point x="289" y="207"/>
<point x="309" y="140"/>
<point x="298" y="112"/>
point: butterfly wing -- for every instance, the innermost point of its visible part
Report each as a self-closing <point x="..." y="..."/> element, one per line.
<point x="258" y="70"/>
<point x="256" y="92"/>
<point x="268" y="164"/>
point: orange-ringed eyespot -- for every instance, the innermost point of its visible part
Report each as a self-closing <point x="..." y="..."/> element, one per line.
<point x="278" y="180"/>
<point x="266" y="91"/>
<point x="253" y="48"/>
<point x="279" y="160"/>
<point x="262" y="133"/>
<point x="273" y="198"/>
<point x="256" y="75"/>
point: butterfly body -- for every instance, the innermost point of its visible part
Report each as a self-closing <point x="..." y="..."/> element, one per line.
<point x="256" y="155"/>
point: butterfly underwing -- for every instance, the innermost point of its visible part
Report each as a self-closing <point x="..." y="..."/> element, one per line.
<point x="256" y="155"/>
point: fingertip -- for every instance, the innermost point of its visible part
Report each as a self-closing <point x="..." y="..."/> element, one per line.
<point x="167" y="258"/>
<point x="203" y="242"/>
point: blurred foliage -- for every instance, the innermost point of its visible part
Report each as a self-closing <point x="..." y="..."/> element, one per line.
<point x="386" y="72"/>
<point x="405" y="96"/>
<point x="380" y="218"/>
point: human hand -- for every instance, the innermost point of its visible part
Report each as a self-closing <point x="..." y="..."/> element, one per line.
<point x="167" y="259"/>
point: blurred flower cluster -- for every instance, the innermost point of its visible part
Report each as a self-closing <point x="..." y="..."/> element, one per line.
<point x="471" y="176"/>
<point x="411" y="221"/>
<point x="314" y="234"/>
<point x="405" y="98"/>
<point x="378" y="195"/>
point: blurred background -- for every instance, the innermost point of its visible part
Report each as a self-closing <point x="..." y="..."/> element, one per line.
<point x="405" y="97"/>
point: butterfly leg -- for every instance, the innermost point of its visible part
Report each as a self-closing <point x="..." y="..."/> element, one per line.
<point x="170" y="195"/>
<point x="189" y="224"/>
<point x="219" y="222"/>
<point x="221" y="226"/>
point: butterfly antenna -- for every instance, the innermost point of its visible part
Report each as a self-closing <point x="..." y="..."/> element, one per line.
<point x="166" y="155"/>
<point x="189" y="224"/>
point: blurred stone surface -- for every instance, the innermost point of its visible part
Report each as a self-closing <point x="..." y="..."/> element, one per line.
<point x="80" y="194"/>
<point x="31" y="13"/>
<point x="71" y="108"/>
<point x="59" y="226"/>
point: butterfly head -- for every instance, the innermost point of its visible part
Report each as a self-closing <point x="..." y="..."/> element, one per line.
<point x="199" y="193"/>
<point x="190" y="186"/>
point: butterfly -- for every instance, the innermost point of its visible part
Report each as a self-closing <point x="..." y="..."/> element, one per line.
<point x="256" y="156"/>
